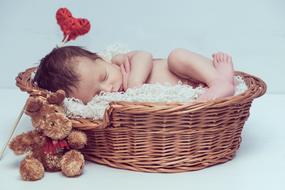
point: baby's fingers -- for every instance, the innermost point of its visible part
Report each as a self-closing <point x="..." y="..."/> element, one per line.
<point x="124" y="74"/>
<point x="127" y="66"/>
<point x="123" y="69"/>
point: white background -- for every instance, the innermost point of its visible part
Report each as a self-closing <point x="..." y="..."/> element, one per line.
<point x="253" y="31"/>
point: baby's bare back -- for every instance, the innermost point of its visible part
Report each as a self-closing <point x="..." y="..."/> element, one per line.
<point x="161" y="74"/>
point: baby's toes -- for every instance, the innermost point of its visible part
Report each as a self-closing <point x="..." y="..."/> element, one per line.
<point x="220" y="57"/>
<point x="223" y="57"/>
<point x="215" y="57"/>
<point x="227" y="58"/>
<point x="230" y="59"/>
<point x="215" y="61"/>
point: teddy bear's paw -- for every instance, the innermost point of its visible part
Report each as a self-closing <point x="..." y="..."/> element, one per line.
<point x="26" y="142"/>
<point x="57" y="126"/>
<point x="72" y="163"/>
<point x="31" y="169"/>
<point x="77" y="139"/>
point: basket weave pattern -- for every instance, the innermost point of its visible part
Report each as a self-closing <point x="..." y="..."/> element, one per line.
<point x="160" y="137"/>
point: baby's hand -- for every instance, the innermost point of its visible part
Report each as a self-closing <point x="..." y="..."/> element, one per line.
<point x="119" y="59"/>
<point x="125" y="69"/>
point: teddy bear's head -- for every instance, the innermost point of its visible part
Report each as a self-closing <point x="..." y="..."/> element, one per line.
<point x="48" y="115"/>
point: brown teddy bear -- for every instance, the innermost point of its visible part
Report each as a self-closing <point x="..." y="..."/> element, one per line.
<point x="53" y="144"/>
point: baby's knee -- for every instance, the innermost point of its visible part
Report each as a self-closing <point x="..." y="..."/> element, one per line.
<point x="176" y="55"/>
<point x="177" y="60"/>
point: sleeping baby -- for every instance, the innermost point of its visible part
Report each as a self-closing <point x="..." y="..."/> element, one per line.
<point x="83" y="74"/>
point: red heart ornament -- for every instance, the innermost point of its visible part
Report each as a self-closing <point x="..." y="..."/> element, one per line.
<point x="70" y="26"/>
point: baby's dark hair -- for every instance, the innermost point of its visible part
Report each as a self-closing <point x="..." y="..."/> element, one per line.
<point x="56" y="70"/>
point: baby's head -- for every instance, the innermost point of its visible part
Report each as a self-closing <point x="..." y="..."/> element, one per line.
<point x="80" y="73"/>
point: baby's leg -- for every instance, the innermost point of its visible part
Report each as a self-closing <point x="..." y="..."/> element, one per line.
<point x="188" y="64"/>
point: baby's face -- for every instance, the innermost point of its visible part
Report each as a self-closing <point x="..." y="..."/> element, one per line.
<point x="96" y="77"/>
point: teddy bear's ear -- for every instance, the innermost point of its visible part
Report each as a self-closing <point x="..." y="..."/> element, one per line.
<point x="33" y="105"/>
<point x="56" y="98"/>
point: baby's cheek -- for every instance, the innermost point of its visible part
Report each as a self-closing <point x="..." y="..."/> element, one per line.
<point x="84" y="97"/>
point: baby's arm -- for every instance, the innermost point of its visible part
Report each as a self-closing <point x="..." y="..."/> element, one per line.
<point x="141" y="66"/>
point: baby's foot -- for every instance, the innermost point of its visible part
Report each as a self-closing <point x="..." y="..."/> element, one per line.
<point x="224" y="65"/>
<point x="223" y="85"/>
<point x="219" y="88"/>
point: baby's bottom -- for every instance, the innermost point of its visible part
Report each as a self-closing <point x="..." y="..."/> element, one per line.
<point x="217" y="74"/>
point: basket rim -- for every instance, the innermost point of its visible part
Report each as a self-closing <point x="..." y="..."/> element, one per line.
<point x="256" y="88"/>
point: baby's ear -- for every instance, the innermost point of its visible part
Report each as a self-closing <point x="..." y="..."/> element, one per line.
<point x="56" y="98"/>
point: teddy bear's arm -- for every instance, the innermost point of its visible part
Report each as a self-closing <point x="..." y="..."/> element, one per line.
<point x="25" y="142"/>
<point x="77" y="139"/>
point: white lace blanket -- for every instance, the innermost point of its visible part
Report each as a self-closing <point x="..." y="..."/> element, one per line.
<point x="147" y="93"/>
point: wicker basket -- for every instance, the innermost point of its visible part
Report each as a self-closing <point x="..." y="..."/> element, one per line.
<point x="160" y="137"/>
